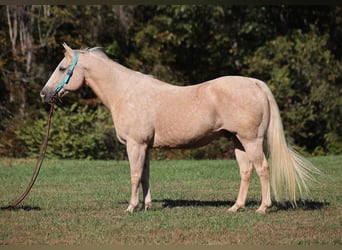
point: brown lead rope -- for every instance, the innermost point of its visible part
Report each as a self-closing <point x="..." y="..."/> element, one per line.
<point x="38" y="166"/>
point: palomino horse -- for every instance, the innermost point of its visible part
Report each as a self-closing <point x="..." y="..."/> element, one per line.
<point x="151" y="113"/>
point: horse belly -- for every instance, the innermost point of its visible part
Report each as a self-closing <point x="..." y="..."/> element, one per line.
<point x="186" y="127"/>
<point x="184" y="141"/>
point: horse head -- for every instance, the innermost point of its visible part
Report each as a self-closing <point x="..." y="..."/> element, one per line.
<point x="68" y="76"/>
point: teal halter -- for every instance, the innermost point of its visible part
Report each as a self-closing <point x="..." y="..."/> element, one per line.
<point x="68" y="75"/>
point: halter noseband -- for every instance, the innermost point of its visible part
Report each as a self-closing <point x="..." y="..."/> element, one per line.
<point x="68" y="75"/>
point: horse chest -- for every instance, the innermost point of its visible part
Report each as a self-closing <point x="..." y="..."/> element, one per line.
<point x="133" y="126"/>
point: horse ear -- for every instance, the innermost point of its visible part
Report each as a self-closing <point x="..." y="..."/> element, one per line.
<point x="68" y="50"/>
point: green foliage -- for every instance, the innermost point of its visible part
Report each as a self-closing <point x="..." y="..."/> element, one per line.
<point x="305" y="79"/>
<point x="77" y="132"/>
<point x="295" y="49"/>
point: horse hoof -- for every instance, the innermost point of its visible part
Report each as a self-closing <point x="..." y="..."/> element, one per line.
<point x="232" y="210"/>
<point x="260" y="211"/>
<point x="235" y="208"/>
<point x="130" y="209"/>
<point x="148" y="206"/>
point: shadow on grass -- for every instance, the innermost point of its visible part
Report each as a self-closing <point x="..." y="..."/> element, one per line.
<point x="168" y="203"/>
<point x="18" y="208"/>
<point x="300" y="204"/>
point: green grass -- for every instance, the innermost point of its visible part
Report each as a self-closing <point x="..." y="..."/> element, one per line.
<point x="83" y="202"/>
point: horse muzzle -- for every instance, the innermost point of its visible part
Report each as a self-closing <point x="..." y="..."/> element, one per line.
<point x="48" y="95"/>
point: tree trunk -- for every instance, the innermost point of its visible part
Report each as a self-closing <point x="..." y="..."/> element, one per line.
<point x="20" y="21"/>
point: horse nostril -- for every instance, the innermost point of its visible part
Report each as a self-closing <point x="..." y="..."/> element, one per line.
<point x="43" y="94"/>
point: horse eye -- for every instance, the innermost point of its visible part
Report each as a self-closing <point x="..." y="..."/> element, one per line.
<point x="62" y="69"/>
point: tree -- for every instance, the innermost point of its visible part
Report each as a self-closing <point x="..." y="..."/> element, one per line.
<point x="305" y="78"/>
<point x="30" y="28"/>
<point x="295" y="49"/>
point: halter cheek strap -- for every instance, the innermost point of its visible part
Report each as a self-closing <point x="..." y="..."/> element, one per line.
<point x="69" y="74"/>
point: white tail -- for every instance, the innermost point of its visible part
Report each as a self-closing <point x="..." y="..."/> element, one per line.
<point x="290" y="172"/>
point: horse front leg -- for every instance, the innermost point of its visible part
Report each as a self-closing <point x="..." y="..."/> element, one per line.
<point x="136" y="156"/>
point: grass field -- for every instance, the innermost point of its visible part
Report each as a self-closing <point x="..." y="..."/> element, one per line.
<point x="83" y="202"/>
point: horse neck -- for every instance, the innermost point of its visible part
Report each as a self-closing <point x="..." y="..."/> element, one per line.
<point x="107" y="79"/>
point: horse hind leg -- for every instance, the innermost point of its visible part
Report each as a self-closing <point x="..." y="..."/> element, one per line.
<point x="145" y="182"/>
<point x="246" y="169"/>
<point x="264" y="175"/>
<point x="255" y="154"/>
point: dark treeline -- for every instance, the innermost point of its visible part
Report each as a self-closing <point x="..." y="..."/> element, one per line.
<point x="295" y="49"/>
